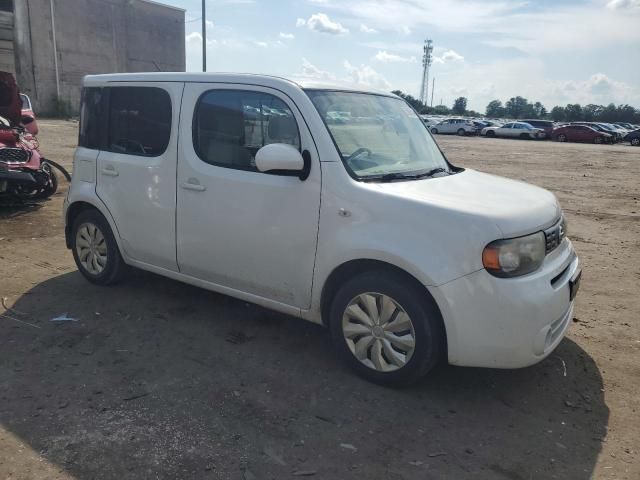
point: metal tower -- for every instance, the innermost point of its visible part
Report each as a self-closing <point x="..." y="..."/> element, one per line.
<point x="427" y="59"/>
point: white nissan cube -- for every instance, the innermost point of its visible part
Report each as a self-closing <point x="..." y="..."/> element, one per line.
<point x="331" y="204"/>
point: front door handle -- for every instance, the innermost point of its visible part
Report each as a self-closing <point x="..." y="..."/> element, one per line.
<point x="110" y="171"/>
<point x="193" y="184"/>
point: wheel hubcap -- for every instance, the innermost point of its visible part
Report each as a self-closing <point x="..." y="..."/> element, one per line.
<point x="91" y="248"/>
<point x="378" y="331"/>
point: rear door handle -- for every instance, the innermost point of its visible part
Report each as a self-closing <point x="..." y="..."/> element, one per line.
<point x="193" y="184"/>
<point x="110" y="171"/>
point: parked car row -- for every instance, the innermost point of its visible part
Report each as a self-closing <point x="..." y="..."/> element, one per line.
<point x="535" y="129"/>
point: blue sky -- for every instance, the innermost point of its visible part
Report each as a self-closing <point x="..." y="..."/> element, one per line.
<point x="554" y="51"/>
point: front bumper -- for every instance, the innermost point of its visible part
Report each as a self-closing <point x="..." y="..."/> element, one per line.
<point x="509" y="322"/>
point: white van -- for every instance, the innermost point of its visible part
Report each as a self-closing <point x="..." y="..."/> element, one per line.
<point x="250" y="186"/>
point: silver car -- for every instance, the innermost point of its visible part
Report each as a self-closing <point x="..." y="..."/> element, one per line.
<point x="514" y="130"/>
<point x="459" y="126"/>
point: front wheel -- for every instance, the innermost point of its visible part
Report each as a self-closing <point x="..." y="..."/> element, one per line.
<point x="562" y="138"/>
<point x="385" y="328"/>
<point x="490" y="133"/>
<point x="635" y="142"/>
<point x="597" y="140"/>
<point x="434" y="131"/>
<point x="461" y="132"/>
<point x="95" y="250"/>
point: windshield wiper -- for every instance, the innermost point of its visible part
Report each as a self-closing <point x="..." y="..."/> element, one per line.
<point x="389" y="177"/>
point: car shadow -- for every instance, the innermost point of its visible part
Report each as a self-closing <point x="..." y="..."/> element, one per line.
<point x="15" y="208"/>
<point x="153" y="378"/>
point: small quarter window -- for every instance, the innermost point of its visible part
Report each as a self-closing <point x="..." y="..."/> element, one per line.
<point x="139" y="121"/>
<point x="91" y="114"/>
<point x="230" y="126"/>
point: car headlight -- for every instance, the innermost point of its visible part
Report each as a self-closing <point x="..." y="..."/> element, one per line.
<point x="514" y="256"/>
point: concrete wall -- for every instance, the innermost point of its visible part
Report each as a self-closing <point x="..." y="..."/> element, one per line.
<point x="7" y="63"/>
<point x="92" y="36"/>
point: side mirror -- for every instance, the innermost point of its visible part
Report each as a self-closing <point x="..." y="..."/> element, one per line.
<point x="283" y="159"/>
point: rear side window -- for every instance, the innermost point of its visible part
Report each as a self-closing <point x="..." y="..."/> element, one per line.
<point x="139" y="121"/>
<point x="230" y="126"/>
<point x="91" y="114"/>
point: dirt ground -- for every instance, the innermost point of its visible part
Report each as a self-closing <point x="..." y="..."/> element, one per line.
<point x="158" y="379"/>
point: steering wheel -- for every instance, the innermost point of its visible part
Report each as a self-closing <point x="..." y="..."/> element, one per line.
<point x="357" y="153"/>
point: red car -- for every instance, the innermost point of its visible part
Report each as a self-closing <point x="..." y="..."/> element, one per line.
<point x="28" y="117"/>
<point x="579" y="133"/>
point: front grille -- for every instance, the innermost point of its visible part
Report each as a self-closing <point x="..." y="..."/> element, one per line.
<point x="554" y="235"/>
<point x="14" y="155"/>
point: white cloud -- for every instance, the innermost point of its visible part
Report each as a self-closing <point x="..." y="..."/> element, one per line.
<point x="262" y="44"/>
<point x="362" y="75"/>
<point x="310" y="71"/>
<point x="448" y="56"/>
<point x="209" y="23"/>
<point x="366" y="76"/>
<point x="286" y="36"/>
<point x="320" y="22"/>
<point x="194" y="37"/>
<point x="618" y="4"/>
<point x="319" y="2"/>
<point x="300" y="22"/>
<point x="385" y="57"/>
<point x="405" y="30"/>
<point x="365" y="29"/>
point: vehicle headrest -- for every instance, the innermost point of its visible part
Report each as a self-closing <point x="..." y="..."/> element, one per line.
<point x="283" y="127"/>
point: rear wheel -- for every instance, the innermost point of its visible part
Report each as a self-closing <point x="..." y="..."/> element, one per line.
<point x="385" y="328"/>
<point x="95" y="250"/>
<point x="490" y="133"/>
<point x="635" y="142"/>
<point x="562" y="137"/>
<point x="524" y="136"/>
<point x="434" y="130"/>
<point x="597" y="140"/>
<point x="461" y="132"/>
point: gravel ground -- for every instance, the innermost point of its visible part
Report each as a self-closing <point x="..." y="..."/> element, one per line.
<point x="158" y="379"/>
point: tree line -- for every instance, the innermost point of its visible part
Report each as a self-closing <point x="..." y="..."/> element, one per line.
<point x="520" y="107"/>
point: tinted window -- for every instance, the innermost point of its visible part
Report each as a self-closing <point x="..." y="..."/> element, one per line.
<point x="91" y="115"/>
<point x="139" y="120"/>
<point x="508" y="125"/>
<point x="230" y="126"/>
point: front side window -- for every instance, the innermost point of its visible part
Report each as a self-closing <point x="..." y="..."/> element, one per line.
<point x="508" y="125"/>
<point x="230" y="126"/>
<point x="381" y="138"/>
<point x="139" y="121"/>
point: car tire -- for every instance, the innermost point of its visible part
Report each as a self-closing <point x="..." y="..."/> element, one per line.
<point x="395" y="352"/>
<point x="635" y="142"/>
<point x="524" y="136"/>
<point x="434" y="131"/>
<point x="95" y="250"/>
<point x="490" y="133"/>
<point x="561" y="138"/>
<point x="597" y="140"/>
<point x="461" y="132"/>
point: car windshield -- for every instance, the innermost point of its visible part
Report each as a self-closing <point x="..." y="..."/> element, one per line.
<point x="378" y="137"/>
<point x="26" y="104"/>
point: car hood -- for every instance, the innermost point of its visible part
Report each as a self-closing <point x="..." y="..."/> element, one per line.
<point x="516" y="208"/>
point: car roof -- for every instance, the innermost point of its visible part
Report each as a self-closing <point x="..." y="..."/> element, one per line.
<point x="224" y="77"/>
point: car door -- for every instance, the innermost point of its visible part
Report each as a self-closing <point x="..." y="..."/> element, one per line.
<point x="505" y="130"/>
<point x="448" y="127"/>
<point x="136" y="168"/>
<point x="237" y="227"/>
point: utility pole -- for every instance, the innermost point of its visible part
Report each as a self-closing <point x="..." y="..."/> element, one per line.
<point x="433" y="89"/>
<point x="204" y="36"/>
<point x="427" y="59"/>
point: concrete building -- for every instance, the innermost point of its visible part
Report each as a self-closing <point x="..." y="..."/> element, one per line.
<point x="51" y="44"/>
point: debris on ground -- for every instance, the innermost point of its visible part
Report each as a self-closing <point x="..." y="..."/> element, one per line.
<point x="348" y="446"/>
<point x="63" y="318"/>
